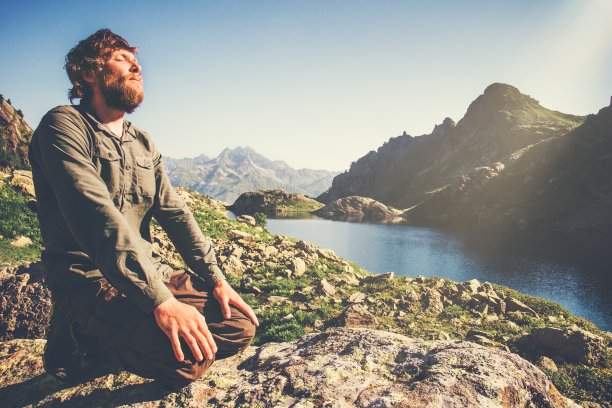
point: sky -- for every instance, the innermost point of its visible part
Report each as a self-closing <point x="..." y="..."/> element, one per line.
<point x="317" y="84"/>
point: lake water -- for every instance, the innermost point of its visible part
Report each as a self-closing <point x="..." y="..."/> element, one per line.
<point x="558" y="271"/>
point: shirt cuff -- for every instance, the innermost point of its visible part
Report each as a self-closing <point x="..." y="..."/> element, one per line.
<point x="156" y="294"/>
<point x="213" y="276"/>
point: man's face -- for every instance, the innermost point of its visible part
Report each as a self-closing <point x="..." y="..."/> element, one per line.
<point x="120" y="81"/>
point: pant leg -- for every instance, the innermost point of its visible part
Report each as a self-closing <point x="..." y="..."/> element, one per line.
<point x="231" y="335"/>
<point x="141" y="346"/>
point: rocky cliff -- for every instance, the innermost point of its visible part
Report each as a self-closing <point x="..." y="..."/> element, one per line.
<point x="239" y="170"/>
<point x="406" y="169"/>
<point x="15" y="134"/>
<point x="563" y="183"/>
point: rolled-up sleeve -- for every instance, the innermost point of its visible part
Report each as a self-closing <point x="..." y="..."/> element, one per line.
<point x="63" y="152"/>
<point x="176" y="219"/>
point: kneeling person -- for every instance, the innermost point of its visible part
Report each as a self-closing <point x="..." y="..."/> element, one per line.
<point x="99" y="180"/>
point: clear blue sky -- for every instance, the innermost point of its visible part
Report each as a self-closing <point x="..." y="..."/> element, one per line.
<point x="315" y="83"/>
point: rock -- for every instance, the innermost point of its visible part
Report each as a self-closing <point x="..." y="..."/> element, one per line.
<point x="355" y="316"/>
<point x="278" y="299"/>
<point x="356" y="297"/>
<point x="298" y="266"/>
<point x="307" y="247"/>
<point x="472" y="285"/>
<point x="377" y="278"/>
<point x="22" y="181"/>
<point x="572" y="343"/>
<point x="234" y="266"/>
<point x="360" y="209"/>
<point x="431" y="301"/>
<point x="420" y="279"/>
<point x="247" y="219"/>
<point x="236" y="235"/>
<point x="270" y="250"/>
<point x="21" y="241"/>
<point x="515" y="305"/>
<point x="25" y="303"/>
<point x="326" y="288"/>
<point x="340" y="367"/>
<point x="548" y="364"/>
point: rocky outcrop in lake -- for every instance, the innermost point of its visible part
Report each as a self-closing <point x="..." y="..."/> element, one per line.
<point x="273" y="203"/>
<point x="360" y="209"/>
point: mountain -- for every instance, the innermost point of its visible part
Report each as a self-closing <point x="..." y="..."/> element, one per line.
<point x="406" y="169"/>
<point x="235" y="171"/>
<point x="563" y="184"/>
<point x="15" y="134"/>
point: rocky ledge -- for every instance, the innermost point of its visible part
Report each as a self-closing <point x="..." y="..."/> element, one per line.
<point x="360" y="209"/>
<point x="339" y="367"/>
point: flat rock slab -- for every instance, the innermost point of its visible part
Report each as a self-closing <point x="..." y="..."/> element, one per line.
<point x="341" y="367"/>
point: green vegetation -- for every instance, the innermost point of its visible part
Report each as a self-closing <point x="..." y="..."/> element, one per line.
<point x="215" y="225"/>
<point x="260" y="219"/>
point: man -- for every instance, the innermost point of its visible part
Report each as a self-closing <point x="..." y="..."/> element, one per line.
<point x="99" y="180"/>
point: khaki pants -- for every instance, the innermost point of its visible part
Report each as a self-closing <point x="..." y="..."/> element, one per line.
<point x="135" y="339"/>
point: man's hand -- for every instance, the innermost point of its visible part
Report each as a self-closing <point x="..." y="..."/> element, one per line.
<point x="225" y="295"/>
<point x="178" y="319"/>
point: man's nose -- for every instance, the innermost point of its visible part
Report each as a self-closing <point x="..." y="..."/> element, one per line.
<point x="135" y="68"/>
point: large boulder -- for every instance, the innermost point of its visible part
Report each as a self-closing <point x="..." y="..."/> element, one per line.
<point x="340" y="367"/>
<point x="571" y="343"/>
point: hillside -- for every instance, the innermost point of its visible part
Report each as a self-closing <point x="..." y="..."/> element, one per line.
<point x="235" y="171"/>
<point x="406" y="169"/>
<point x="298" y="289"/>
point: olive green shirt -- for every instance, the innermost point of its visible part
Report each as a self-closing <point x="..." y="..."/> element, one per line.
<point x="96" y="194"/>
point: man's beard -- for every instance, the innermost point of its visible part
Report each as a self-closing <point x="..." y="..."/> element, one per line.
<point x="119" y="94"/>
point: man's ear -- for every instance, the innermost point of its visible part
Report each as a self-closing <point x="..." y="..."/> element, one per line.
<point x="89" y="76"/>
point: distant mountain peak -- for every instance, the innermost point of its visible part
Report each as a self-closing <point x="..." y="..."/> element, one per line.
<point x="497" y="89"/>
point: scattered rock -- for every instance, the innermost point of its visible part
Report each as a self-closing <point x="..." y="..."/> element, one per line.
<point x="515" y="305"/>
<point x="377" y="278"/>
<point x="326" y="288"/>
<point x="236" y="235"/>
<point x="21" y="241"/>
<point x="355" y="316"/>
<point x="298" y="266"/>
<point x="356" y="297"/>
<point x="247" y="219"/>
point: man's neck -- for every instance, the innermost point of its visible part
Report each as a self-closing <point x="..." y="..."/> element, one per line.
<point x="111" y="117"/>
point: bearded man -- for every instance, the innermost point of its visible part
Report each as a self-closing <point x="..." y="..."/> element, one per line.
<point x="99" y="180"/>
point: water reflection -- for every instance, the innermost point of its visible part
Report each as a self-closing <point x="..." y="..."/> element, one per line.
<point x="552" y="270"/>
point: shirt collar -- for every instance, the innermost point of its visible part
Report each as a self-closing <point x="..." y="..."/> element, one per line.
<point x="129" y="133"/>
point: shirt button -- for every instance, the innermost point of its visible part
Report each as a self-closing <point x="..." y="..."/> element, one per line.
<point x="128" y="167"/>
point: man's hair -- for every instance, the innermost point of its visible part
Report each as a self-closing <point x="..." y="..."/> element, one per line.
<point x="90" y="54"/>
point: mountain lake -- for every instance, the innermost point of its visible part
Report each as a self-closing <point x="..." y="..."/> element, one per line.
<point x="568" y="274"/>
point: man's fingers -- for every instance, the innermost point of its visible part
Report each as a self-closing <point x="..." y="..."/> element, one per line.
<point x="209" y="338"/>
<point x="176" y="346"/>
<point x="204" y="346"/>
<point x="242" y="305"/>
<point x="193" y="345"/>
<point x="226" y="309"/>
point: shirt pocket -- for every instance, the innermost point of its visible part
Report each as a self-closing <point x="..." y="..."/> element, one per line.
<point x="107" y="162"/>
<point x="145" y="174"/>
